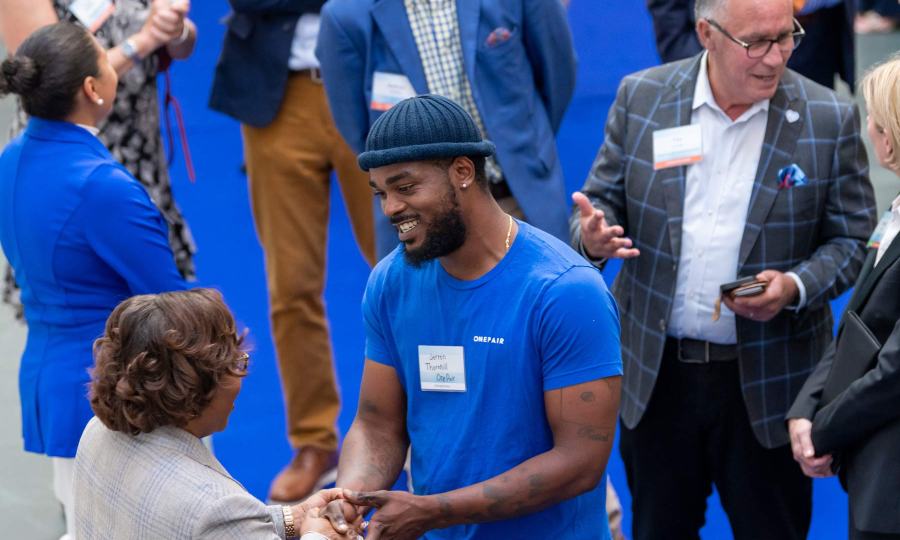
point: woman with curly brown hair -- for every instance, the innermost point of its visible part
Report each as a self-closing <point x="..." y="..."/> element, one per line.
<point x="168" y="370"/>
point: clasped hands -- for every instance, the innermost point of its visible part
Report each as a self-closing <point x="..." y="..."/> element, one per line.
<point x="339" y="514"/>
<point x="800" y="430"/>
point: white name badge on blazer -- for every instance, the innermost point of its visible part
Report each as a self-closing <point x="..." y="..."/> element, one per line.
<point x="389" y="89"/>
<point x="92" y="13"/>
<point x="442" y="368"/>
<point x="878" y="233"/>
<point x="677" y="146"/>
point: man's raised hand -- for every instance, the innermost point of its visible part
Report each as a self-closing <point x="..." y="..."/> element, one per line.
<point x="600" y="240"/>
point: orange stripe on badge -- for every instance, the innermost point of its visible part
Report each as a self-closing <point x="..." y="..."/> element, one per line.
<point x="380" y="105"/>
<point x="676" y="162"/>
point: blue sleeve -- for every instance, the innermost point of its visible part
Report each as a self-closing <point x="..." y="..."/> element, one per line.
<point x="378" y="348"/>
<point x="342" y="64"/>
<point x="127" y="231"/>
<point x="578" y="330"/>
<point x="551" y="52"/>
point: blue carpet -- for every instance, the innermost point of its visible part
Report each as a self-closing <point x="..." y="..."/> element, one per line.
<point x="611" y="42"/>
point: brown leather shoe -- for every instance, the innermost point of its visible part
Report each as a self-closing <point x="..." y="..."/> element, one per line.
<point x="310" y="469"/>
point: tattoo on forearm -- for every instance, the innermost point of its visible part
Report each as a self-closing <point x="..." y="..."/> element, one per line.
<point x="367" y="407"/>
<point x="536" y="485"/>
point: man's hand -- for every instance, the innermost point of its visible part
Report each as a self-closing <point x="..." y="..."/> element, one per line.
<point x="312" y="521"/>
<point x="800" y="430"/>
<point x="780" y="291"/>
<point x="398" y="514"/>
<point x="600" y="240"/>
<point x="343" y="515"/>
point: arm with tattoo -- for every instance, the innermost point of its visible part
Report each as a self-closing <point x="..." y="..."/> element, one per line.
<point x="583" y="420"/>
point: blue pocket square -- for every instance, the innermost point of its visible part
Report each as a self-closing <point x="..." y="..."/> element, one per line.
<point x="791" y="176"/>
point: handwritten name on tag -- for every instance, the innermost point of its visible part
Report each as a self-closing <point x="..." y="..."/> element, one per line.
<point x="442" y="368"/>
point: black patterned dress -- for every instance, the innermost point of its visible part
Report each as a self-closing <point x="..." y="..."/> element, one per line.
<point x="131" y="131"/>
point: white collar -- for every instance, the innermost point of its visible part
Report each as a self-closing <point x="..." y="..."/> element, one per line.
<point x="703" y="94"/>
<point x="93" y="130"/>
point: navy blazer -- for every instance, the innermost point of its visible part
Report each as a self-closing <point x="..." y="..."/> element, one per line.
<point x="252" y="71"/>
<point x="522" y="85"/>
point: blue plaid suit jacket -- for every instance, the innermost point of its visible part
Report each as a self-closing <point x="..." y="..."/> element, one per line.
<point x="817" y="230"/>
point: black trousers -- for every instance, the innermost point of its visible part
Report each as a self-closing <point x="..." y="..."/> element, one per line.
<point x="696" y="433"/>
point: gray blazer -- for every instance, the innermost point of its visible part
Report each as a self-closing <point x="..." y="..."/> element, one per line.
<point x="162" y="485"/>
<point x="817" y="230"/>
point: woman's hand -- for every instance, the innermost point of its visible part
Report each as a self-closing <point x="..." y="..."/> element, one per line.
<point x="165" y="24"/>
<point x="312" y="521"/>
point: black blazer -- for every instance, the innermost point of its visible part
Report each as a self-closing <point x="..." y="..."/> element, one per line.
<point x="828" y="47"/>
<point x="252" y="71"/>
<point x="862" y="424"/>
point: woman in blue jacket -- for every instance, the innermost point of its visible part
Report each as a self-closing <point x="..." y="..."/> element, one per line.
<point x="79" y="231"/>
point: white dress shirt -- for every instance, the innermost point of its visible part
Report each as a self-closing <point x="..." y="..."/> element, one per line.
<point x="716" y="202"/>
<point x="303" y="47"/>
<point x="890" y="233"/>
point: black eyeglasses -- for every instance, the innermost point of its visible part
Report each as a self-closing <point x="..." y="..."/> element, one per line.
<point x="760" y="48"/>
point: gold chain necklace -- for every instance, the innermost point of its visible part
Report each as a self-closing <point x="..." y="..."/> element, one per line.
<point x="509" y="231"/>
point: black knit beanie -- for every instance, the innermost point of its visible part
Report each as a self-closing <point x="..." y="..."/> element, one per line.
<point x="421" y="128"/>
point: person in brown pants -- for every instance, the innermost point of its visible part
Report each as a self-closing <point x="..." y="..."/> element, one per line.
<point x="268" y="78"/>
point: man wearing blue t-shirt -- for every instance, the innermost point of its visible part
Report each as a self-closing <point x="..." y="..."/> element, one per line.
<point x="492" y="349"/>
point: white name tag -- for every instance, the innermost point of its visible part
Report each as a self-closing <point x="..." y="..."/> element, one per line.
<point x="92" y="13"/>
<point x="389" y="89"/>
<point x="442" y="368"/>
<point x="878" y="233"/>
<point x="678" y="146"/>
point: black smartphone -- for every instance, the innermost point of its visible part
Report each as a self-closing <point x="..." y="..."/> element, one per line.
<point x="745" y="286"/>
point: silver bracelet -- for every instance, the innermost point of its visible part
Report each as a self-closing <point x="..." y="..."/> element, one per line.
<point x="130" y="51"/>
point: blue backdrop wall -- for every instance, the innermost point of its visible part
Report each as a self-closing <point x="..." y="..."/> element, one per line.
<point x="612" y="38"/>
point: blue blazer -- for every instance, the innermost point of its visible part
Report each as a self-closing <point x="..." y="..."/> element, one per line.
<point x="522" y="85"/>
<point x="81" y="235"/>
<point x="252" y="71"/>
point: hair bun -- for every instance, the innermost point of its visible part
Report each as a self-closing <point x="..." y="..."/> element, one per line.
<point x="20" y="75"/>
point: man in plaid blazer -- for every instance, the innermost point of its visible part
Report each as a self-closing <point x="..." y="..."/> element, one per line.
<point x="779" y="191"/>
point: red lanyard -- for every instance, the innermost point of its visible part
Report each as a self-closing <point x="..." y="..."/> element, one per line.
<point x="179" y="119"/>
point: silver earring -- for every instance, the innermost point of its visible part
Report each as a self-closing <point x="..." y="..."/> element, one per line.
<point x="464" y="186"/>
<point x="100" y="101"/>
